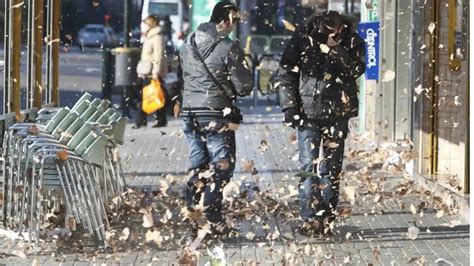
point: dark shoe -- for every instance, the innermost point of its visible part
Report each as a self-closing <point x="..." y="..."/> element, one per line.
<point x="158" y="124"/>
<point x="328" y="225"/>
<point x="136" y="127"/>
<point x="311" y="228"/>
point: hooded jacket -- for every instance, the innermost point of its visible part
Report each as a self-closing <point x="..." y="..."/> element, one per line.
<point x="226" y="62"/>
<point x="318" y="81"/>
<point x="154" y="50"/>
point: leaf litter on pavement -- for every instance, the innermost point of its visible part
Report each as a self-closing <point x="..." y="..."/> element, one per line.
<point x="157" y="219"/>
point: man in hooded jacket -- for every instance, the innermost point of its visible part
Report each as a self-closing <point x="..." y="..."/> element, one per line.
<point x="318" y="94"/>
<point x="209" y="114"/>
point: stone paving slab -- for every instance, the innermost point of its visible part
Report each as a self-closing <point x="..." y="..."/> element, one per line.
<point x="372" y="234"/>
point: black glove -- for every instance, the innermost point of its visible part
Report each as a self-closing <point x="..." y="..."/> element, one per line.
<point x="292" y="117"/>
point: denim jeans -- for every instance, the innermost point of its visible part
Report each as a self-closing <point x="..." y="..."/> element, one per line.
<point x="211" y="147"/>
<point x="321" y="192"/>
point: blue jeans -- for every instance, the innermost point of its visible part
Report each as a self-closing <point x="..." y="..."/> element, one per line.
<point x="212" y="149"/>
<point x="321" y="192"/>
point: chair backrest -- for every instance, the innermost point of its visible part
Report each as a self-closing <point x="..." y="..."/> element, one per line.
<point x="104" y="105"/>
<point x="115" y="117"/>
<point x="95" y="116"/>
<point x="88" y="112"/>
<point x="105" y="117"/>
<point x="118" y="130"/>
<point x="71" y="131"/>
<point x="56" y="119"/>
<point x="95" y="152"/>
<point x="81" y="107"/>
<point x="64" y="124"/>
<point x="80" y="135"/>
<point x="85" y="143"/>
<point x="86" y="97"/>
<point x="96" y="102"/>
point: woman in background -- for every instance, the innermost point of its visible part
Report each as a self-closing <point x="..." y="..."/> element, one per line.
<point x="153" y="52"/>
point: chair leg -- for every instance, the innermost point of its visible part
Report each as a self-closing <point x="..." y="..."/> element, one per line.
<point x="76" y="196"/>
<point x="99" y="207"/>
<point x="83" y="194"/>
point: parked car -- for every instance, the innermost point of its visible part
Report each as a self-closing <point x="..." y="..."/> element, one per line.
<point x="135" y="38"/>
<point x="97" y="35"/>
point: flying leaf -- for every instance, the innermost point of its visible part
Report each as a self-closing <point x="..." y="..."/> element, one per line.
<point x="368" y="4"/>
<point x="388" y="75"/>
<point x="288" y="25"/>
<point x="350" y="191"/>
<point x="345" y="212"/>
<point x="230" y="190"/>
<point x="125" y="234"/>
<point x="263" y="146"/>
<point x="413" y="232"/>
<point x="419" y="89"/>
<point x="62" y="155"/>
<point x="250" y="236"/>
<point x="20" y="118"/>
<point x="19" y="253"/>
<point x="348" y="235"/>
<point x="176" y="109"/>
<point x="324" y="48"/>
<point x="18" y="5"/>
<point x="147" y="220"/>
<point x="187" y="258"/>
<point x="248" y="166"/>
<point x="226" y="111"/>
<point x="154" y="236"/>
<point x="344" y="98"/>
<point x="33" y="130"/>
<point x="292" y="138"/>
<point x="431" y="27"/>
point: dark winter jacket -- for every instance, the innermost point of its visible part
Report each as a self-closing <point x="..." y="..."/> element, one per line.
<point x="226" y="62"/>
<point x="313" y="79"/>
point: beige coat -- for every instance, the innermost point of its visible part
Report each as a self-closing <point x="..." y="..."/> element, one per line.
<point x="154" y="50"/>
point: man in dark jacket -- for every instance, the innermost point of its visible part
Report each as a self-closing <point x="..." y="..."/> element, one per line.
<point x="318" y="93"/>
<point x="209" y="114"/>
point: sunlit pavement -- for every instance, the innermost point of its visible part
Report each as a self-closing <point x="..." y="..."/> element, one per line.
<point x="385" y="218"/>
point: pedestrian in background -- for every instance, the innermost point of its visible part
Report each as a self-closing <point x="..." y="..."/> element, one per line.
<point x="152" y="65"/>
<point x="215" y="73"/>
<point x="319" y="68"/>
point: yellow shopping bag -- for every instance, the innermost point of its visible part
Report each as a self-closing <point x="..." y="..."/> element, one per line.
<point x="153" y="97"/>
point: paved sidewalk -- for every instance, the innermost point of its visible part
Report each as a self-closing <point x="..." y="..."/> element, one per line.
<point x="385" y="218"/>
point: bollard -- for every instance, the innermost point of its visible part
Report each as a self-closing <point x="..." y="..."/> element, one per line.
<point x="126" y="61"/>
<point x="108" y="63"/>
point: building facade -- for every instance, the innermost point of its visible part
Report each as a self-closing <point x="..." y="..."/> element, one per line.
<point x="422" y="92"/>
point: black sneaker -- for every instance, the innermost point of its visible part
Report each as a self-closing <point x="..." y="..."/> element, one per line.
<point x="156" y="125"/>
<point x="328" y="225"/>
<point x="311" y="228"/>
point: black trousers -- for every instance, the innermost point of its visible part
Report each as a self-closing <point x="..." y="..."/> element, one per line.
<point x="159" y="115"/>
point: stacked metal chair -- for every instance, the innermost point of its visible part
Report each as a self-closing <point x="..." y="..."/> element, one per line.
<point x="68" y="163"/>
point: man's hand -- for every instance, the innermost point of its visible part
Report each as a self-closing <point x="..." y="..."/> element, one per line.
<point x="292" y="117"/>
<point x="331" y="41"/>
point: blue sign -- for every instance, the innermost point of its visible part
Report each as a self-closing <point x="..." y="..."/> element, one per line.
<point x="370" y="33"/>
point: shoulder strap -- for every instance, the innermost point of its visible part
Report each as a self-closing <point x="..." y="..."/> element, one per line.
<point x="198" y="55"/>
